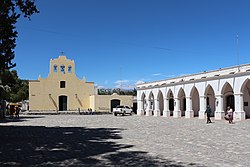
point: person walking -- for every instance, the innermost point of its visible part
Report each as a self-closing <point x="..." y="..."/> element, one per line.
<point x="208" y="111"/>
<point x="230" y="114"/>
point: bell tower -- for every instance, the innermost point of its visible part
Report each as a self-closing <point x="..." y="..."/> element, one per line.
<point x="62" y="65"/>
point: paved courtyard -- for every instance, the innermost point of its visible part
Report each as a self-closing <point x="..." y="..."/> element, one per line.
<point x="106" y="140"/>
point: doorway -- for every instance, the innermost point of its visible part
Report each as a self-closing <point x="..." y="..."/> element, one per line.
<point x="114" y="103"/>
<point x="62" y="103"/>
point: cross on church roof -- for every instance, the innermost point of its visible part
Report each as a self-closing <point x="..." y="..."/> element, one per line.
<point x="62" y="53"/>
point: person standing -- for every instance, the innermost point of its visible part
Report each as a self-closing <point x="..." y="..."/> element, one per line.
<point x="17" y="111"/>
<point x="208" y="111"/>
<point x="230" y="114"/>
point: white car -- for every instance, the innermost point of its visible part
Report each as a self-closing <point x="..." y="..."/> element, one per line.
<point x="122" y="110"/>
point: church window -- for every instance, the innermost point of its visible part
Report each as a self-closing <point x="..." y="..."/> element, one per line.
<point x="55" y="68"/>
<point x="62" y="68"/>
<point x="69" y="69"/>
<point x="62" y="84"/>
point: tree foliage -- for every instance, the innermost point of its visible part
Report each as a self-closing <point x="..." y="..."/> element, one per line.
<point x="14" y="89"/>
<point x="10" y="12"/>
<point x="118" y="91"/>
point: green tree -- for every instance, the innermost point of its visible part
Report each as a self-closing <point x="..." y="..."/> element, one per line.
<point x="15" y="89"/>
<point x="10" y="12"/>
<point x="134" y="92"/>
<point x="20" y="91"/>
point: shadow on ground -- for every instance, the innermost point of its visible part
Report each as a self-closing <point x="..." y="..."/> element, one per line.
<point x="20" y="119"/>
<point x="66" y="146"/>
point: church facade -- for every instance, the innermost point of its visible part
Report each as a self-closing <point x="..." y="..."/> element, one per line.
<point x="63" y="91"/>
<point x="187" y="96"/>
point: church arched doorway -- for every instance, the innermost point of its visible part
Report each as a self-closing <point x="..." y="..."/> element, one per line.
<point x="62" y="103"/>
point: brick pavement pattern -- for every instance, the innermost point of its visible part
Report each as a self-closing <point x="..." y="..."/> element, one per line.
<point x="106" y="140"/>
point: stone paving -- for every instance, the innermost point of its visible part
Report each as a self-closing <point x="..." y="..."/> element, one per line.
<point x="106" y="140"/>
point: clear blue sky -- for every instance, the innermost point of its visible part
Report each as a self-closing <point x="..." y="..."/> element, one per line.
<point x="134" y="40"/>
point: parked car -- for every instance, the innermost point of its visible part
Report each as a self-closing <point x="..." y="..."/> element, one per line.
<point x="121" y="109"/>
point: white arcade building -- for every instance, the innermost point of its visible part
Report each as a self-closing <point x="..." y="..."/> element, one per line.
<point x="187" y="96"/>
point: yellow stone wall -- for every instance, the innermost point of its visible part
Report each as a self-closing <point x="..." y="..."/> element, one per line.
<point x="103" y="102"/>
<point x="44" y="93"/>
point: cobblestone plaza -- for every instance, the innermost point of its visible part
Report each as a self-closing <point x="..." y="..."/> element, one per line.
<point x="105" y="140"/>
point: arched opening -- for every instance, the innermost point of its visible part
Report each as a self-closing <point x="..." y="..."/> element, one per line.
<point x="230" y="101"/>
<point x="62" y="68"/>
<point x="55" y="68"/>
<point x="161" y="102"/>
<point x="170" y="97"/>
<point x="114" y="103"/>
<point x="195" y="101"/>
<point x="62" y="103"/>
<point x="210" y="95"/>
<point x="144" y="104"/>
<point x="151" y="103"/>
<point x="228" y="96"/>
<point x="69" y="69"/>
<point x="182" y="98"/>
<point x="246" y="97"/>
